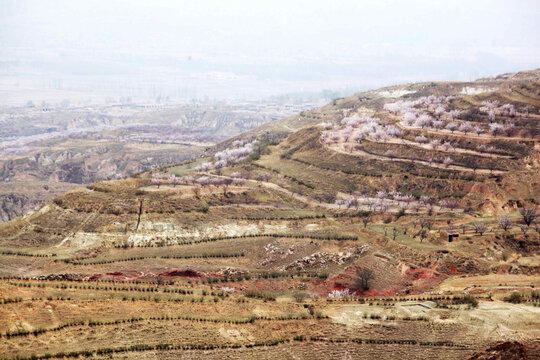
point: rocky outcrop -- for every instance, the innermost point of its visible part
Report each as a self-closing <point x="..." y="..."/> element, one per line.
<point x="322" y="259"/>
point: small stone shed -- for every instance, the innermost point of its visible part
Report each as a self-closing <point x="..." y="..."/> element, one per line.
<point x="449" y="235"/>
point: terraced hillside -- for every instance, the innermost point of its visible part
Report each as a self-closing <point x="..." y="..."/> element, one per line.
<point x="399" y="222"/>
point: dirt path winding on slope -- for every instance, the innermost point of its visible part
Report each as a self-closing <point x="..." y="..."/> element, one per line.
<point x="340" y="148"/>
<point x="462" y="134"/>
<point x="429" y="147"/>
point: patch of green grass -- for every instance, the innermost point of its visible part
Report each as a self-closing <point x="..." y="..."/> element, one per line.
<point x="185" y="169"/>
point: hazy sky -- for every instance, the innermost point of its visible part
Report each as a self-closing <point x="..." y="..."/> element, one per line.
<point x="256" y="48"/>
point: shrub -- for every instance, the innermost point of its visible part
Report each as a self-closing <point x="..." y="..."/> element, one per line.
<point x="260" y="295"/>
<point x="299" y="296"/>
<point x="469" y="300"/>
<point x="514" y="298"/>
<point x="204" y="209"/>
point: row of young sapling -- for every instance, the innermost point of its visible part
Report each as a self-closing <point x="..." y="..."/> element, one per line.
<point x="218" y="295"/>
<point x="209" y="347"/>
<point x="91" y="286"/>
<point x="518" y="298"/>
<point x="93" y="323"/>
<point x="80" y="279"/>
<point x="266" y="276"/>
<point x="303" y="217"/>
<point x="377" y="341"/>
<point x="30" y="282"/>
<point x="144" y="348"/>
<point x="393" y="317"/>
<point x="454" y="299"/>
<point x="321" y="216"/>
<point x="14" y="300"/>
<point x="135" y="258"/>
<point x="166" y="289"/>
<point x="244" y="236"/>
<point x="21" y="253"/>
<point x="192" y="299"/>
<point x="442" y="300"/>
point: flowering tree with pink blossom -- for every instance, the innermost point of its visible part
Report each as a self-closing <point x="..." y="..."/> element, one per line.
<point x="453" y="126"/>
<point x="448" y="161"/>
<point x="465" y="127"/>
<point x="496" y="129"/>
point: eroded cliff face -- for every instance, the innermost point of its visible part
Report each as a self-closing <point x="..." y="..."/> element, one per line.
<point x="13" y="205"/>
<point x="81" y="145"/>
<point x="26" y="181"/>
<point x="19" y="197"/>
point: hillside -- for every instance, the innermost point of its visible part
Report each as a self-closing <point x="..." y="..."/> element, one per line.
<point x="396" y="222"/>
<point x="486" y="87"/>
<point x="47" y="150"/>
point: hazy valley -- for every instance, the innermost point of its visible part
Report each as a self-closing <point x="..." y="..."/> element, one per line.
<point x="46" y="149"/>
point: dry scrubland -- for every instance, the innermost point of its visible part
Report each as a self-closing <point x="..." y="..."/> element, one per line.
<point x="258" y="250"/>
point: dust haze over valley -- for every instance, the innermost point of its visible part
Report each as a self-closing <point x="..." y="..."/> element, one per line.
<point x="269" y="180"/>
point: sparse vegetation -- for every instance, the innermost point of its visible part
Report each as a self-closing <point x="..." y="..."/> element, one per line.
<point x="344" y="232"/>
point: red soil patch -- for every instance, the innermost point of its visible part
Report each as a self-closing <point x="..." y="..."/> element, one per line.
<point x="116" y="273"/>
<point x="509" y="350"/>
<point x="423" y="273"/>
<point x="369" y="292"/>
<point x="452" y="269"/>
<point x="183" y="273"/>
<point x="337" y="286"/>
<point x="374" y="292"/>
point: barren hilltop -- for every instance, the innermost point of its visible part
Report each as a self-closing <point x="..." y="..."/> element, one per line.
<point x="400" y="222"/>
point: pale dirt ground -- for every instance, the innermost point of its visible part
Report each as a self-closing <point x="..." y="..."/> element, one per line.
<point x="461" y="283"/>
<point x="490" y="321"/>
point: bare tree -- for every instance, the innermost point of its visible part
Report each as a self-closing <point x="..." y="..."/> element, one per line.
<point x="426" y="223"/>
<point x="365" y="220"/>
<point x="196" y="191"/>
<point x="423" y="235"/>
<point x="528" y="215"/>
<point x="363" y="278"/>
<point x="480" y="228"/>
<point x="505" y="222"/>
<point x="226" y="183"/>
<point x="263" y="177"/>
